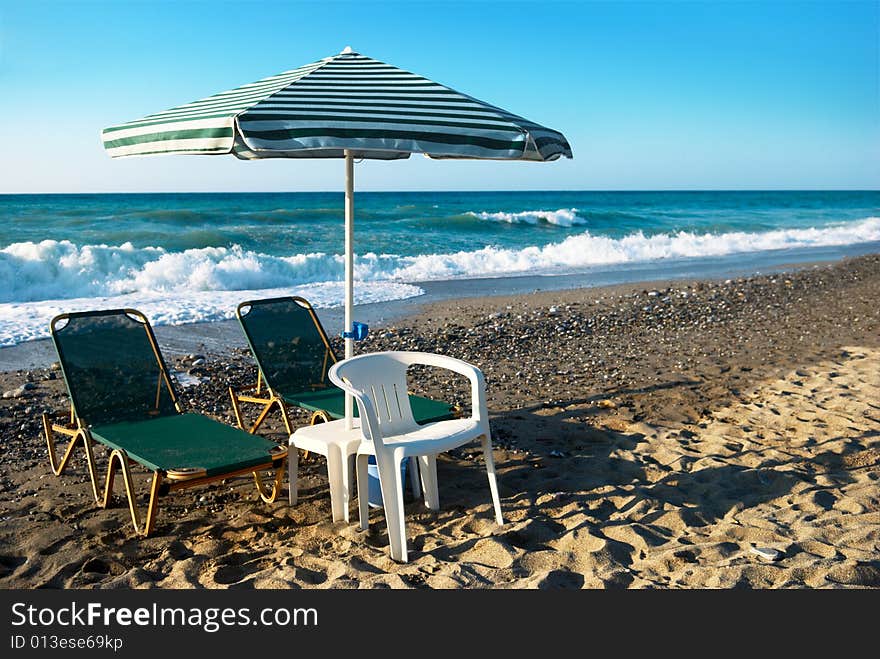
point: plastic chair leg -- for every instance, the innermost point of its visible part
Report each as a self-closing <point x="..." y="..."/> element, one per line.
<point x="414" y="478"/>
<point x="363" y="491"/>
<point x="493" y="481"/>
<point x="292" y="471"/>
<point x="392" y="502"/>
<point x="428" y="470"/>
<point x="348" y="479"/>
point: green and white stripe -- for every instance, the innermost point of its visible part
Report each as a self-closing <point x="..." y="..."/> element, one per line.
<point x="347" y="101"/>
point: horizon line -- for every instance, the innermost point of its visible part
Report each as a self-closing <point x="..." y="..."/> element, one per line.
<point x="559" y="190"/>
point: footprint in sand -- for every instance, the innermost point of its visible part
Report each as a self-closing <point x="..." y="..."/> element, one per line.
<point x="9" y="564"/>
<point x="557" y="579"/>
<point x="96" y="566"/>
<point x="824" y="499"/>
<point x="237" y="566"/>
<point x="534" y="534"/>
<point x="229" y="574"/>
<point x="310" y="577"/>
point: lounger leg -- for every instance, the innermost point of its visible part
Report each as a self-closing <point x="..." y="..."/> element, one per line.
<point x="90" y="461"/>
<point x="428" y="470"/>
<point x="319" y="417"/>
<point x="293" y="474"/>
<point x="493" y="481"/>
<point x="361" y="462"/>
<point x="269" y="496"/>
<point x="75" y="437"/>
<point x="267" y="407"/>
<point x="57" y="467"/>
<point x="154" y="500"/>
<point x="285" y="416"/>
<point x="119" y="459"/>
<point x="262" y="417"/>
<point x="392" y="502"/>
<point x="236" y="408"/>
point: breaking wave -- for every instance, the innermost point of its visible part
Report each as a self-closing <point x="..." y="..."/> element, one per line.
<point x="42" y="278"/>
<point x="563" y="217"/>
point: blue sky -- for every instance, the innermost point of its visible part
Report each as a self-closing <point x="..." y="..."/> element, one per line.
<point x="652" y="95"/>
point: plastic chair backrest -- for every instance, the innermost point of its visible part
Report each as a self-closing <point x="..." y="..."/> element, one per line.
<point x="381" y="377"/>
<point x="288" y="342"/>
<point x="112" y="366"/>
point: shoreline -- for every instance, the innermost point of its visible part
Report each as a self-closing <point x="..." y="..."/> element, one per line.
<point x="644" y="437"/>
<point x="217" y="337"/>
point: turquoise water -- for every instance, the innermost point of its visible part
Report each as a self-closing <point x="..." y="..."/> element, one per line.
<point x="409" y="223"/>
<point x="189" y="257"/>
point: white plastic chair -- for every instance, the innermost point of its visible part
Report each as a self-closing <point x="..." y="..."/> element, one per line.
<point x="378" y="383"/>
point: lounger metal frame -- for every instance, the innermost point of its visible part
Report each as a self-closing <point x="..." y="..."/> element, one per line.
<point x="268" y="397"/>
<point x="164" y="481"/>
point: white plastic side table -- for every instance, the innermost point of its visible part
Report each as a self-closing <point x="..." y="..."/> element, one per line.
<point x="338" y="446"/>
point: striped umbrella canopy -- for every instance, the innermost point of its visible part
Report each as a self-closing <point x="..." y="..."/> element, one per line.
<point x="346" y="106"/>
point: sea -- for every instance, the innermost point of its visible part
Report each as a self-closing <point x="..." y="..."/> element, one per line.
<point x="184" y="258"/>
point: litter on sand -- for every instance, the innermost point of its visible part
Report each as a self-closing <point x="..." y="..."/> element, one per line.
<point x="766" y="553"/>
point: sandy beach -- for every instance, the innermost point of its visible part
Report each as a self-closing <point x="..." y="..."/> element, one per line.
<point x="647" y="435"/>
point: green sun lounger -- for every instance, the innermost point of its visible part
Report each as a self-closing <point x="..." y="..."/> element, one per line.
<point x="121" y="396"/>
<point x="293" y="356"/>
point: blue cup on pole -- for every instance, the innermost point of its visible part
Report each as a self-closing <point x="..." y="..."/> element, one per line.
<point x="359" y="331"/>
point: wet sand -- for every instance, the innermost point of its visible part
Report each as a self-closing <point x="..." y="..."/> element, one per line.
<point x="648" y="435"/>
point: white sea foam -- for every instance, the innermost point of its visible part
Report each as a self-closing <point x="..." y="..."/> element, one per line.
<point x="563" y="217"/>
<point x="585" y="250"/>
<point x="58" y="269"/>
<point x="25" y="321"/>
<point x="39" y="280"/>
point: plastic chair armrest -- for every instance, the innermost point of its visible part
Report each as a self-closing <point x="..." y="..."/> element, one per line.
<point x="479" y="411"/>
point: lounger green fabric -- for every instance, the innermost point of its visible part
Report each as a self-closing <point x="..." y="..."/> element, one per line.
<point x="111" y="368"/>
<point x="185" y="441"/>
<point x="332" y="401"/>
<point x="294" y="356"/>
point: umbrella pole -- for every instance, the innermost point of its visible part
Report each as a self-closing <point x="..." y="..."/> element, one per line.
<point x="349" y="273"/>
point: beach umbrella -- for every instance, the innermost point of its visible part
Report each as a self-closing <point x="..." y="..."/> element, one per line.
<point x="345" y="106"/>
